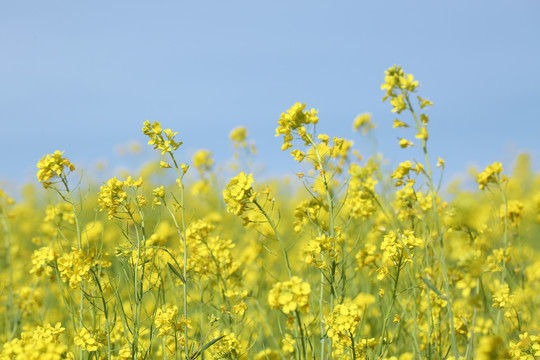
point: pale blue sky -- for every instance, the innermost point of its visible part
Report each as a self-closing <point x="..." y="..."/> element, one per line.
<point x="83" y="76"/>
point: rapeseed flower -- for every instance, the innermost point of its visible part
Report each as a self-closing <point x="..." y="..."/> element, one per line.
<point x="52" y="165"/>
<point x="290" y="296"/>
<point x="161" y="139"/>
<point x="491" y="175"/>
<point x="238" y="193"/>
<point x="294" y="120"/>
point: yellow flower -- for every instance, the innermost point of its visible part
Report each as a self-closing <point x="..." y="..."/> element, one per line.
<point x="363" y="122"/>
<point x="342" y="323"/>
<point x="490" y="175"/>
<point x="422" y="134"/>
<point x="404" y="143"/>
<point x="294" y="120"/>
<point x="238" y="193"/>
<point x="202" y="160"/>
<point x="398" y="123"/>
<point x="111" y="196"/>
<point x="440" y="162"/>
<point x="238" y="136"/>
<point x="398" y="103"/>
<point x="86" y="341"/>
<point x="52" y="165"/>
<point x="290" y="296"/>
<point x="42" y="260"/>
<point x="298" y="155"/>
<point x="156" y="134"/>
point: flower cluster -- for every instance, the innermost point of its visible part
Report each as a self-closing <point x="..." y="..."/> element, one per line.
<point x="343" y="321"/>
<point x="490" y="175"/>
<point x="167" y="321"/>
<point x="396" y="82"/>
<point x="202" y="160"/>
<point x="324" y="245"/>
<point x="401" y="174"/>
<point x="52" y="165"/>
<point x="361" y="201"/>
<point x="514" y="212"/>
<point x="86" y="340"/>
<point x="161" y="139"/>
<point x="306" y="212"/>
<point x="48" y="332"/>
<point x="42" y="260"/>
<point x="112" y="194"/>
<point x="41" y="343"/>
<point x="227" y="348"/>
<point x="238" y="193"/>
<point x="528" y="347"/>
<point x="393" y="244"/>
<point x="238" y="136"/>
<point x="290" y="296"/>
<point x="75" y="266"/>
<point x="294" y="120"/>
<point x="363" y="122"/>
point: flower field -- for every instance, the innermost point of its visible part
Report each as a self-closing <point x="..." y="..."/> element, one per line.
<point x="349" y="262"/>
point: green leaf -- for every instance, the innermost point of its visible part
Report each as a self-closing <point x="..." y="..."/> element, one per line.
<point x="173" y="269"/>
<point x="434" y="288"/>
<point x="205" y="347"/>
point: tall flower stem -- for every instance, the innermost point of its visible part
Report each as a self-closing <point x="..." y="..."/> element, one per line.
<point x="440" y="234"/>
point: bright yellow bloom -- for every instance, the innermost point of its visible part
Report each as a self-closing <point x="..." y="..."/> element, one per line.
<point x="298" y="155"/>
<point x="404" y="143"/>
<point x="398" y="103"/>
<point x="52" y="165"/>
<point x="422" y="134"/>
<point x="290" y="296"/>
<point x="156" y="134"/>
<point x="343" y="322"/>
<point x="238" y="193"/>
<point x="42" y="260"/>
<point x="293" y="120"/>
<point x="111" y="196"/>
<point x="86" y="341"/>
<point x="490" y="175"/>
<point x="229" y="347"/>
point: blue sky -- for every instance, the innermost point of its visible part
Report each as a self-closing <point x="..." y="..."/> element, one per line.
<point x="83" y="76"/>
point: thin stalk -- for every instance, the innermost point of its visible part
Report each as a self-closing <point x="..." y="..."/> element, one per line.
<point x="278" y="236"/>
<point x="79" y="244"/>
<point x="330" y="201"/>
<point x="394" y="294"/>
<point x="505" y="246"/>
<point x="302" y="336"/>
<point x="182" y="216"/>
<point x="321" y="303"/>
<point x="10" y="306"/>
<point x="439" y="232"/>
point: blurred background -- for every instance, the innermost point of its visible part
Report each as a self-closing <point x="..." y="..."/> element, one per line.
<point x="82" y="77"/>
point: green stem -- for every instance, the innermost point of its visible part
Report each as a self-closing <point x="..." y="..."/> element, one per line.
<point x="10" y="305"/>
<point x="181" y="185"/>
<point x="278" y="236"/>
<point x="79" y="243"/>
<point x="394" y="293"/>
<point x="439" y="232"/>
